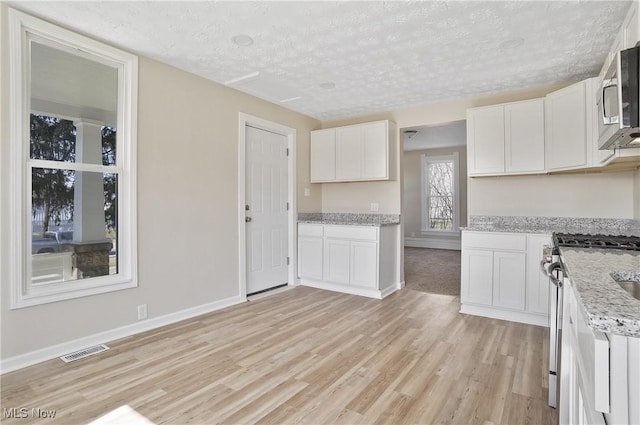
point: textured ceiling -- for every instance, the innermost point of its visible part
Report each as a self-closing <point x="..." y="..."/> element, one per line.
<point x="381" y="55"/>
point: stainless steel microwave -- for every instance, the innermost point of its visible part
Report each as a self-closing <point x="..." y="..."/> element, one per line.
<point x="619" y="102"/>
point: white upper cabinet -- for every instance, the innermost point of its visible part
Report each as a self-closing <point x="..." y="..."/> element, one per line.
<point x="485" y="140"/>
<point x="569" y="127"/>
<point x="353" y="153"/>
<point x="506" y="138"/>
<point x="323" y="154"/>
<point x="349" y="146"/>
<point x="524" y="136"/>
<point x="375" y="150"/>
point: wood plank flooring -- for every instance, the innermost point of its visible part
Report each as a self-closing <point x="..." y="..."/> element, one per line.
<point x="304" y="356"/>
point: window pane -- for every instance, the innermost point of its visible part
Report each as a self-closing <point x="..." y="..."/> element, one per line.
<point x="441" y="213"/>
<point x="54" y="139"/>
<point x="63" y="248"/>
<point x="69" y="85"/>
<point x="440" y="195"/>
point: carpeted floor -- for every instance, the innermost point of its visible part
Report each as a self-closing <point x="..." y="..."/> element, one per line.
<point x="432" y="270"/>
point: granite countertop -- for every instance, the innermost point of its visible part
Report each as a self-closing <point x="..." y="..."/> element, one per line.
<point x="350" y="219"/>
<point x="548" y="225"/>
<point x="608" y="307"/>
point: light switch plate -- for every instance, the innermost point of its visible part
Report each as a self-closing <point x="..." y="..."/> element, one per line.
<point x="307" y="191"/>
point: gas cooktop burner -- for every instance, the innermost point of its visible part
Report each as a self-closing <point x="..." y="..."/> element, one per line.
<point x="630" y="243"/>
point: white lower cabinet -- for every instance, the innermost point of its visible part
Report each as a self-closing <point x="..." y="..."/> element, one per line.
<point x="336" y="260"/>
<point x="537" y="283"/>
<point x="363" y="269"/>
<point x="500" y="277"/>
<point x="477" y="276"/>
<point x="360" y="260"/>
<point x="310" y="257"/>
<point x="508" y="280"/>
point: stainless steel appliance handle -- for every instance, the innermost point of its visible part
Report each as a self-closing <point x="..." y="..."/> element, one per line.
<point x="609" y="82"/>
<point x="543" y="263"/>
<point x="609" y="119"/>
<point x="552" y="268"/>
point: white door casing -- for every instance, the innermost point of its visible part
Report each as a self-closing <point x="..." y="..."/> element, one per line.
<point x="246" y="121"/>
<point x="266" y="195"/>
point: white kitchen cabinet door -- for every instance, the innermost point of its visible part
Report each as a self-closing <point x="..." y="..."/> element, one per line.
<point x="524" y="136"/>
<point x="364" y="264"/>
<point x="509" y="279"/>
<point x="310" y="257"/>
<point x="537" y="287"/>
<point x="375" y="150"/>
<point x="336" y="260"/>
<point x="568" y="143"/>
<point x="349" y="153"/>
<point x="477" y="277"/>
<point x="485" y="140"/>
<point x="323" y="155"/>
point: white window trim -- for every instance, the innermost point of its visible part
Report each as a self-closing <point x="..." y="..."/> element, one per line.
<point x="425" y="159"/>
<point x="21" y="28"/>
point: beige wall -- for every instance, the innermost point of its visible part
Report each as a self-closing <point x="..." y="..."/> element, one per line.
<point x="412" y="199"/>
<point x="187" y="206"/>
<point x="604" y="195"/>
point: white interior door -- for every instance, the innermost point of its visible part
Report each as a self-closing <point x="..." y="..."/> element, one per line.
<point x="266" y="197"/>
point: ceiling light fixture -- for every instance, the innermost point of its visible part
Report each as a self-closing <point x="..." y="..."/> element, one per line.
<point x="410" y="133"/>
<point x="242" y="40"/>
<point x="511" y="43"/>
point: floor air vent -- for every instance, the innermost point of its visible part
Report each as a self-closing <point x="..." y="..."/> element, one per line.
<point x="84" y="353"/>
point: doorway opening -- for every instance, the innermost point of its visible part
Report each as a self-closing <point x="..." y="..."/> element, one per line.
<point x="434" y="206"/>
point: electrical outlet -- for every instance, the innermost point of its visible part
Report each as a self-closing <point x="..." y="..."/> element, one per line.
<point x="374" y="206"/>
<point x="307" y="191"/>
<point x="142" y="311"/>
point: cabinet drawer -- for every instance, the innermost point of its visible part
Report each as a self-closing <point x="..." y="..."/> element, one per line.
<point x="365" y="233"/>
<point x="310" y="229"/>
<point x="499" y="241"/>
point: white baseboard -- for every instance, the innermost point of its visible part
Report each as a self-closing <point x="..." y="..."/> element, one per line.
<point x="388" y="290"/>
<point x="348" y="289"/>
<point x="454" y="244"/>
<point x="23" y="360"/>
<point x="512" y="316"/>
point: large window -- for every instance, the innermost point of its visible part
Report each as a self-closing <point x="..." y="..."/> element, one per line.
<point x="440" y="210"/>
<point x="73" y="105"/>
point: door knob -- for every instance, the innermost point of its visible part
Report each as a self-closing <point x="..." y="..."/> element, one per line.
<point x="247" y="219"/>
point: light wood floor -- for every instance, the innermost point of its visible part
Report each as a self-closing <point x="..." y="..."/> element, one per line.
<point x="305" y="356"/>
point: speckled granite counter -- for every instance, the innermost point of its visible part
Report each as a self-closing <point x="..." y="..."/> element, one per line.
<point x="523" y="224"/>
<point x="350" y="219"/>
<point x="609" y="308"/>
